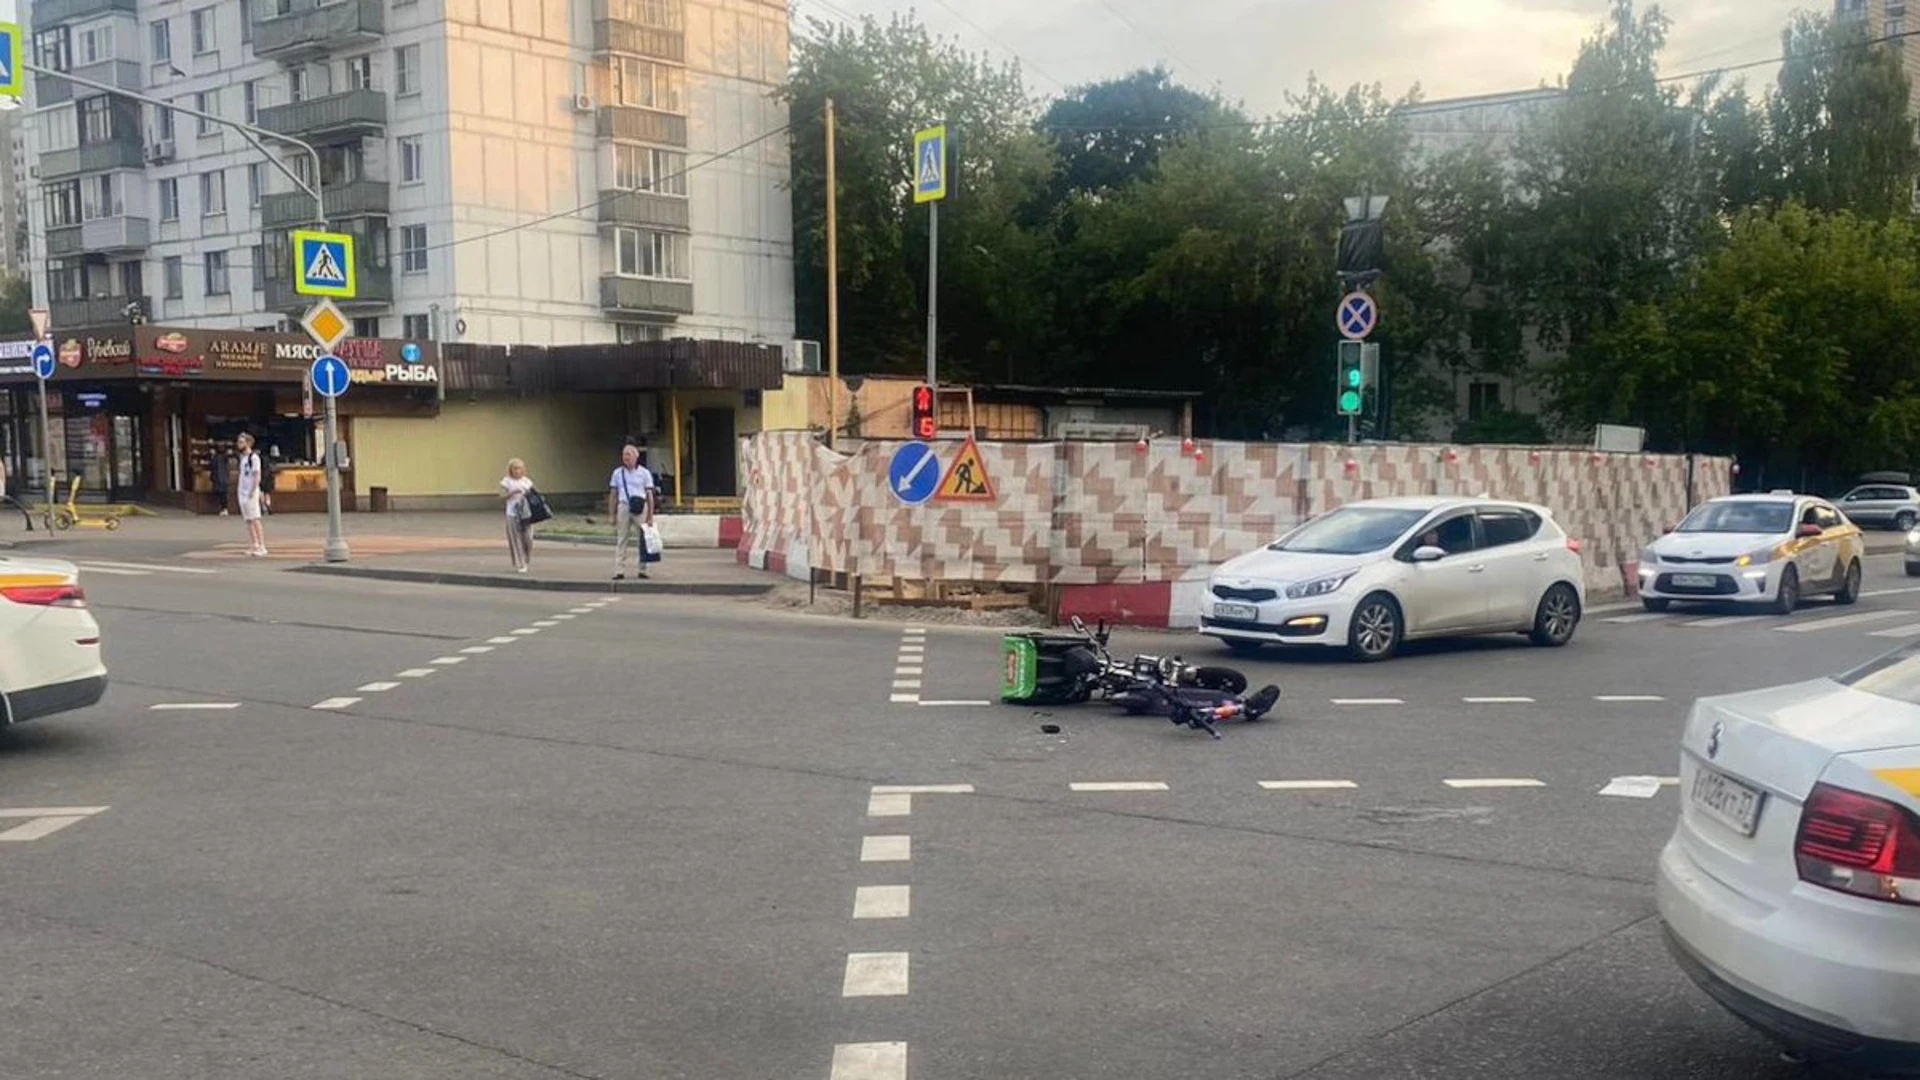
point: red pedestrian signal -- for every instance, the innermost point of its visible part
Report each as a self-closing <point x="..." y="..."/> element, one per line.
<point x="925" y="424"/>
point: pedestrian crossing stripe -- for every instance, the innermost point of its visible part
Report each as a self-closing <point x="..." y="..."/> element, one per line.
<point x="323" y="263"/>
<point x="967" y="479"/>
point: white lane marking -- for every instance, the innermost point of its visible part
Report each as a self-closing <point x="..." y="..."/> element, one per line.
<point x="1722" y="621"/>
<point x="53" y="811"/>
<point x="1119" y="785"/>
<point x="448" y="661"/>
<point x="111" y="572"/>
<point x="416" y="673"/>
<point x="502" y="640"/>
<point x="886" y="848"/>
<point x="581" y="610"/>
<point x="1603" y="609"/>
<point x="564" y="616"/>
<point x="477" y="650"/>
<point x="1307" y="785"/>
<point x="609" y="599"/>
<point x="882" y="901"/>
<point x="1368" y="701"/>
<point x="923" y="789"/>
<point x="1839" y="621"/>
<point x="906" y="684"/>
<point x="525" y="631"/>
<point x="151" y="567"/>
<point x="337" y="703"/>
<point x="1892" y="592"/>
<point x="913" y="629"/>
<point x="875" y="974"/>
<point x="1910" y="630"/>
<point x="1621" y="699"/>
<point x="1638" y="787"/>
<point x="954" y="704"/>
<point x="546" y="624"/>
<point x="39" y="827"/>
<point x="885" y="804"/>
<point x="905" y="670"/>
<point x="190" y="706"/>
<point x="870" y="1061"/>
<point x="1645" y="616"/>
<point x="1494" y="782"/>
<point x="903" y="699"/>
<point x="1498" y="700"/>
<point x="377" y="687"/>
<point x="913" y="650"/>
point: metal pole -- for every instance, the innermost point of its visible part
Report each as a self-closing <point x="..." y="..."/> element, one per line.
<point x="46" y="449"/>
<point x="933" y="302"/>
<point x="833" y="285"/>
<point x="336" y="549"/>
<point x="1352" y="421"/>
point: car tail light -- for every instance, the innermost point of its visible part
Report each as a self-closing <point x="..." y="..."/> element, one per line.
<point x="1573" y="544"/>
<point x="67" y="596"/>
<point x="1859" y="844"/>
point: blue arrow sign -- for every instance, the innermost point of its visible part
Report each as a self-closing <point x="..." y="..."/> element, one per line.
<point x="914" y="474"/>
<point x="330" y="375"/>
<point x="43" y="360"/>
<point x="1357" y="316"/>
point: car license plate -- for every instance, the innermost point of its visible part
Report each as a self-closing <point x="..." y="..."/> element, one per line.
<point x="1726" y="800"/>
<point x="1242" y="612"/>
<point x="1694" y="581"/>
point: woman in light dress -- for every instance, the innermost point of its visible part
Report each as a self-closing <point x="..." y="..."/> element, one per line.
<point x="513" y="488"/>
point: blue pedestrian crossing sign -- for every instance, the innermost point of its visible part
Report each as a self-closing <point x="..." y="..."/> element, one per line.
<point x="13" y="69"/>
<point x="322" y="263"/>
<point x="930" y="164"/>
<point x="330" y="375"/>
<point x="914" y="473"/>
<point x="43" y="359"/>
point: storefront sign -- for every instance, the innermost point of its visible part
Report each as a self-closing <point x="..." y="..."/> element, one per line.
<point x="107" y="350"/>
<point x="70" y="353"/>
<point x="239" y="354"/>
<point x="228" y="355"/>
<point x="16" y="358"/>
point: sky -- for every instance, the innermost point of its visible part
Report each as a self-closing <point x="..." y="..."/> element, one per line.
<point x="1256" y="51"/>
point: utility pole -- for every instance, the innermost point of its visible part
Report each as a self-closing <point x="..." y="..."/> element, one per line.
<point x="833" y="285"/>
<point x="930" y="186"/>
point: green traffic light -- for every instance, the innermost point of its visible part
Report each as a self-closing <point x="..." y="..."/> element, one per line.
<point x="1350" y="401"/>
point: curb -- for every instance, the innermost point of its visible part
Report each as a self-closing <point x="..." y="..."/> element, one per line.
<point x="501" y="581"/>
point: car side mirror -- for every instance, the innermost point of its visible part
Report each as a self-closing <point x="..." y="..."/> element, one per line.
<point x="1808" y="531"/>
<point x="1429" y="553"/>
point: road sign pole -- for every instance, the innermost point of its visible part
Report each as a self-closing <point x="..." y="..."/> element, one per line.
<point x="933" y="301"/>
<point x="46" y="450"/>
<point x="336" y="549"/>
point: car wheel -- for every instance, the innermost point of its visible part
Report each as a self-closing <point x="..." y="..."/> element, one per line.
<point x="1243" y="647"/>
<point x="1904" y="520"/>
<point x="1850" y="585"/>
<point x="1557" y="617"/>
<point x="1376" y="631"/>
<point x="1788" y="598"/>
<point x="1655" y="604"/>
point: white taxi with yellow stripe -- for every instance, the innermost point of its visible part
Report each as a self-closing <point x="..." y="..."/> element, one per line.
<point x="1760" y="549"/>
<point x="1791" y="887"/>
<point x="49" y="644"/>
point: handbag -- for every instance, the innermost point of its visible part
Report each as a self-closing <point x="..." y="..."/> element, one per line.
<point x="650" y="544"/>
<point x="636" y="504"/>
<point x="534" y="508"/>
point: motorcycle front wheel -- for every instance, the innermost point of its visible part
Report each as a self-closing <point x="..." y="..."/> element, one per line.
<point x="1223" y="679"/>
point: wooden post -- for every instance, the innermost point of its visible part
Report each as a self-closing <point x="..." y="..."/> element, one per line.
<point x="833" y="286"/>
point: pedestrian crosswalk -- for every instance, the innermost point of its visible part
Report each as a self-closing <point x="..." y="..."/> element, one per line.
<point x="127" y="569"/>
<point x="1894" y="624"/>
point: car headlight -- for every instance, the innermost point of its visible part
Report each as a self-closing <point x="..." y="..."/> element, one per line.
<point x="1318" y="586"/>
<point x="1649" y="557"/>
<point x="1757" y="558"/>
<point x="1914" y="537"/>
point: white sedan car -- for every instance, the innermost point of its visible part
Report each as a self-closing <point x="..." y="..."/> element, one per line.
<point x="1756" y="549"/>
<point x="1375" y="573"/>
<point x="49" y="644"/>
<point x="1791" y="888"/>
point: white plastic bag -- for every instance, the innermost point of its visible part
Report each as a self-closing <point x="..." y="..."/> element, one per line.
<point x="650" y="544"/>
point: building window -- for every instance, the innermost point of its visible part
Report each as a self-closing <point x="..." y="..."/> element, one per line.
<point x="660" y="14"/>
<point x="648" y="254"/>
<point x="406" y="70"/>
<point x="213" y="193"/>
<point x="256" y="179"/>
<point x="163" y="124"/>
<point x="96" y="44"/>
<point x="368" y="327"/>
<point x="647" y="84"/>
<point x="207" y="101"/>
<point x="162" y="32"/>
<point x="634" y="333"/>
<point x="170" y="199"/>
<point x="63" y="203"/>
<point x="1482" y="398"/>
<point x="1896" y="25"/>
<point x="54" y="48"/>
<point x="96" y="120"/>
<point x="360" y="72"/>
<point x="415" y="327"/>
<point x="645" y="168"/>
<point x="297" y="85"/>
<point x="250" y="101"/>
<point x="129" y="274"/>
<point x="200" y="26"/>
<point x="176" y="278"/>
<point x="216" y="266"/>
<point x="412" y="166"/>
<point x="101" y="197"/>
<point x="413" y="249"/>
<point x="259" y="257"/>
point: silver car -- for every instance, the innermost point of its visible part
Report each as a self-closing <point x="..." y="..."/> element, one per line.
<point x="1887" y="506"/>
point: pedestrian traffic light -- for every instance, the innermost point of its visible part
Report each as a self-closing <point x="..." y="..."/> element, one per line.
<point x="1351" y="379"/>
<point x="925" y="424"/>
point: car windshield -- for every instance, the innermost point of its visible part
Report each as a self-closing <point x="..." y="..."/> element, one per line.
<point x="1895" y="675"/>
<point x="1350" y="530"/>
<point x="1739" y="517"/>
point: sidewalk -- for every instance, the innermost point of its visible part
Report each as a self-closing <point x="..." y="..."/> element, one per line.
<point x="560" y="568"/>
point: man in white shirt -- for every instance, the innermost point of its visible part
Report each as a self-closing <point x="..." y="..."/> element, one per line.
<point x="630" y="497"/>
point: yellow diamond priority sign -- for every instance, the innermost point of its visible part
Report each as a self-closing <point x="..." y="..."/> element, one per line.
<point x="325" y="325"/>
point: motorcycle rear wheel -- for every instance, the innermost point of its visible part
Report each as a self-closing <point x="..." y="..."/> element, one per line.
<point x="1224" y="679"/>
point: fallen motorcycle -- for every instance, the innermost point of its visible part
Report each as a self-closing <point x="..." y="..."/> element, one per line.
<point x="1060" y="669"/>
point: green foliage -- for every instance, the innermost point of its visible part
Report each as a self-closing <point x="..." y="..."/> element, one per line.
<point x="16" y="299"/>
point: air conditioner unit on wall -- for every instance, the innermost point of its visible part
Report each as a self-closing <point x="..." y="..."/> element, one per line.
<point x="804" y="356"/>
<point x="161" y="151"/>
<point x="583" y="103"/>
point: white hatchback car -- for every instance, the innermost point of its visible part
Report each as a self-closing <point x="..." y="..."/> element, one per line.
<point x="1791" y="888"/>
<point x="49" y="644"/>
<point x="1375" y="573"/>
<point x="1768" y="549"/>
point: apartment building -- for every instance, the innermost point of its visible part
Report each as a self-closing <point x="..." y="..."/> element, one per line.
<point x="1886" y="19"/>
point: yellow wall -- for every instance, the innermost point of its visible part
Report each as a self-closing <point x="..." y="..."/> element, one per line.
<point x="569" y="442"/>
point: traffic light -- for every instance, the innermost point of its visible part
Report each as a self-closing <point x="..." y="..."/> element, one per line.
<point x="1351" y="379"/>
<point x="925" y="424"/>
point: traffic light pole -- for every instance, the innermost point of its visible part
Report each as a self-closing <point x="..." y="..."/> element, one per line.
<point x="933" y="301"/>
<point x="336" y="549"/>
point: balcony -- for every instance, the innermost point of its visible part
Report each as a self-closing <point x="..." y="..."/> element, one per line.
<point x="95" y="311"/>
<point x="51" y="90"/>
<point x="645" y="295"/>
<point x="336" y="116"/>
<point x="642" y="125"/>
<point x="51" y="13"/>
<point x="373" y="286"/>
<point x="123" y="151"/>
<point x="312" y="30"/>
<point x="644" y="208"/>
<point x="357" y="198"/>
<point x="614" y="36"/>
<point x="108" y="235"/>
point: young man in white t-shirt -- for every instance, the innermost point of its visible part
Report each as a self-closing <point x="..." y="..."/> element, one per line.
<point x="630" y="481"/>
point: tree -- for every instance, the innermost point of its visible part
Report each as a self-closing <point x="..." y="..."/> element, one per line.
<point x="16" y="299"/>
<point x="1840" y="134"/>
<point x="1110" y="134"/>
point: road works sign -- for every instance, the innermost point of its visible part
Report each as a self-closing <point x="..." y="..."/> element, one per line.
<point x="966" y="479"/>
<point x="322" y="263"/>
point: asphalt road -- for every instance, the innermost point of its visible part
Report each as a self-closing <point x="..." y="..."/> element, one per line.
<point x="381" y="834"/>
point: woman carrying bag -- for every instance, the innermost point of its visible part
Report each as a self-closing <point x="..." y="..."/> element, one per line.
<point x="526" y="507"/>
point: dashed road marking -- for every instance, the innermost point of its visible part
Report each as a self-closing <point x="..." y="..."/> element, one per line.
<point x="149" y="568"/>
<point x="910" y="670"/>
<point x="906" y="684"/>
<point x="875" y="975"/>
<point x="1118" y="785"/>
<point x="1911" y="630"/>
<point x="1839" y="621"/>
<point x="1498" y="700"/>
<point x="415" y="673"/>
<point x="448" y="661"/>
<point x="1624" y="699"/>
<point x="903" y="699"/>
<point x="923" y="789"/>
<point x="882" y="901"/>
<point x="194" y="706"/>
<point x="377" y="687"/>
<point x="885" y="804"/>
<point x="1892" y="592"/>
<point x="953" y="704"/>
<point x="581" y="610"/>
<point x="477" y="650"/>
<point x="1721" y="622"/>
<point x="1645" y="616"/>
<point x="44" y="821"/>
<point x="869" y="1061"/>
<point x="1308" y="785"/>
<point x="565" y="616"/>
<point x="1368" y="701"/>
<point x="886" y="848"/>
<point x="525" y="631"/>
<point x="1637" y="787"/>
<point x="1494" y="782"/>
<point x="502" y="640"/>
<point x="337" y="703"/>
<point x="546" y="624"/>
